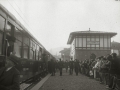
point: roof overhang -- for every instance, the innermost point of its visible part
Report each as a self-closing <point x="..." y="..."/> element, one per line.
<point x="84" y="33"/>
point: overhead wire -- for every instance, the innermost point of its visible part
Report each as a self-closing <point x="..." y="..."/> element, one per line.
<point x="20" y="10"/>
<point x="19" y="14"/>
<point x="22" y="19"/>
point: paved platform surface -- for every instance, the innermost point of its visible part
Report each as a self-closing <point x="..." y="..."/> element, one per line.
<point x="71" y="82"/>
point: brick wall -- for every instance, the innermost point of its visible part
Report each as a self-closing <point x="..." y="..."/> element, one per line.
<point x="85" y="54"/>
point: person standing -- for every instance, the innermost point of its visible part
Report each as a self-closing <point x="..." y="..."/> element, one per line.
<point x="53" y="67"/>
<point x="71" y="64"/>
<point x="66" y="65"/>
<point x="9" y="75"/>
<point x="114" y="70"/>
<point x="60" y="67"/>
<point x="76" y="67"/>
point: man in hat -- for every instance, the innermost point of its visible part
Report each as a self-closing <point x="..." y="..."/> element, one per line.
<point x="9" y="75"/>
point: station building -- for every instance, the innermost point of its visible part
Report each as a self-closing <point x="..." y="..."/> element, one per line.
<point x="65" y="54"/>
<point x="85" y="43"/>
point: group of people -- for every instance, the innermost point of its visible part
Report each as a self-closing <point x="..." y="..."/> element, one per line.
<point x="105" y="69"/>
<point x="53" y="66"/>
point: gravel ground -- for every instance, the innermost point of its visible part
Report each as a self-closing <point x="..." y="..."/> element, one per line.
<point x="71" y="82"/>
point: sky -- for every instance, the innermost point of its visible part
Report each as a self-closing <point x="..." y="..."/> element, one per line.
<point x="52" y="21"/>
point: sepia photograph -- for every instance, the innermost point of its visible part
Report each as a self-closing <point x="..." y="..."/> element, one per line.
<point x="59" y="44"/>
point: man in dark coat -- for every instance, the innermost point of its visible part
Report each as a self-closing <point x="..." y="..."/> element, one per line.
<point x="76" y="67"/>
<point x="53" y="67"/>
<point x="114" y="70"/>
<point x="60" y="67"/>
<point x="66" y="65"/>
<point x="71" y="64"/>
<point x="9" y="76"/>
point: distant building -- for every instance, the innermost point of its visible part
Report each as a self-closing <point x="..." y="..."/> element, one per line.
<point x="65" y="54"/>
<point x="115" y="48"/>
<point x="87" y="43"/>
<point x="57" y="57"/>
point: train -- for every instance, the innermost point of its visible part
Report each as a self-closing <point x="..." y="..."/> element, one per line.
<point x="16" y="40"/>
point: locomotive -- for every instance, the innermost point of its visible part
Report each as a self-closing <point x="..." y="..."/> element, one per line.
<point x="31" y="56"/>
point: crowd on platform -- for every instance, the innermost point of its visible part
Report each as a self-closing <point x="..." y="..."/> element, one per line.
<point x="105" y="69"/>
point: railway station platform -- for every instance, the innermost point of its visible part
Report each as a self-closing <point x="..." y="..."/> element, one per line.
<point x="68" y="82"/>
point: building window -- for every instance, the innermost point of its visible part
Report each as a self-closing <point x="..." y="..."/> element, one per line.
<point x="80" y="42"/>
<point x="77" y="42"/>
<point x="84" y="42"/>
<point x="105" y="41"/>
<point x="101" y="41"/>
<point x="109" y="41"/>
<point x="92" y="38"/>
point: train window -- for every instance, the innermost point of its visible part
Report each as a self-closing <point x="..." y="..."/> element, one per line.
<point x="32" y="49"/>
<point x="18" y="48"/>
<point x="37" y="47"/>
<point x="2" y="23"/>
<point x="25" y="50"/>
<point x="40" y="52"/>
<point x="31" y="54"/>
<point x="18" y="34"/>
<point x="37" y="54"/>
<point x="33" y="46"/>
<point x="1" y="43"/>
<point x="26" y="40"/>
<point x="9" y="29"/>
<point x="30" y="43"/>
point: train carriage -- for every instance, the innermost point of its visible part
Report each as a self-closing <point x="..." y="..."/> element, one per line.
<point x="15" y="39"/>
